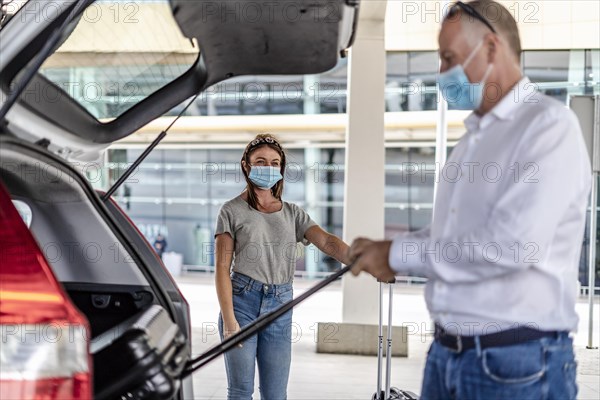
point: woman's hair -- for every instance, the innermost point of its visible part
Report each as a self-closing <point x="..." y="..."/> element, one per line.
<point x="261" y="140"/>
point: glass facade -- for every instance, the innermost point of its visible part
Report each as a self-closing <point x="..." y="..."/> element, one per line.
<point x="563" y="73"/>
<point x="585" y="255"/>
<point x="266" y="95"/>
<point x="178" y="192"/>
<point x="410" y="84"/>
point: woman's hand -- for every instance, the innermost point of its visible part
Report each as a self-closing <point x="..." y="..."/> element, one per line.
<point x="230" y="328"/>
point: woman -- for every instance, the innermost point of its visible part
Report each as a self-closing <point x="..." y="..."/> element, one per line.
<point x="256" y="236"/>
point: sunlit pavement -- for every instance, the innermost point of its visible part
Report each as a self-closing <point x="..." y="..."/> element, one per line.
<point x="327" y="376"/>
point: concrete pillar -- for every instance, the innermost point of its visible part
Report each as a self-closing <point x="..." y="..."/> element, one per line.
<point x="311" y="88"/>
<point x="312" y="185"/>
<point x="365" y="155"/>
<point x="441" y="132"/>
<point x="312" y="157"/>
<point x="365" y="181"/>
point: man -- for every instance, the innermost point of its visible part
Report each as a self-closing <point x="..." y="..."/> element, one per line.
<point x="502" y="251"/>
<point x="160" y="244"/>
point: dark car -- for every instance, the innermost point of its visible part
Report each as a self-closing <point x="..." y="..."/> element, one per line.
<point x="87" y="308"/>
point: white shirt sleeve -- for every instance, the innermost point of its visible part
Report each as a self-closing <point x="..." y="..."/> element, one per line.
<point x="401" y="243"/>
<point x="523" y="221"/>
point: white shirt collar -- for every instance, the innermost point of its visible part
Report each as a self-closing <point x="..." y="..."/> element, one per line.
<point x="505" y="109"/>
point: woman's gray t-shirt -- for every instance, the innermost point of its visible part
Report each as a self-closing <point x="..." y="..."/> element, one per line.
<point x="265" y="243"/>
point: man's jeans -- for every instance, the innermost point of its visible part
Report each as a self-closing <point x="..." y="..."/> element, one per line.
<point x="538" y="369"/>
<point x="270" y="348"/>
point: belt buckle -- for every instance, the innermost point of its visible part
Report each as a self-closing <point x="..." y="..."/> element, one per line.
<point x="459" y="346"/>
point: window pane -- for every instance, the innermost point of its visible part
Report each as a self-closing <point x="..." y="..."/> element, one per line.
<point x="592" y="72"/>
<point x="108" y="74"/>
<point x="557" y="73"/>
<point x="411" y="81"/>
<point x="410" y="176"/>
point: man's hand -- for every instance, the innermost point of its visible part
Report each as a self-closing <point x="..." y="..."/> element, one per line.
<point x="373" y="258"/>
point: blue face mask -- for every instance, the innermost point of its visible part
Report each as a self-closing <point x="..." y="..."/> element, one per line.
<point x="456" y="88"/>
<point x="265" y="177"/>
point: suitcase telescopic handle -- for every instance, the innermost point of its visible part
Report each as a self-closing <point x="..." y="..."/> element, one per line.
<point x="257" y="325"/>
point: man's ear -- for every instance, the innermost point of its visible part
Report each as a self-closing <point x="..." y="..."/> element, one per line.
<point x="493" y="44"/>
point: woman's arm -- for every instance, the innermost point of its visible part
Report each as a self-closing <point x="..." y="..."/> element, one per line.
<point x="329" y="244"/>
<point x="223" y="257"/>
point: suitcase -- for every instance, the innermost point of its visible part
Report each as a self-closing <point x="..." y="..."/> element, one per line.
<point x="141" y="358"/>
<point x="389" y="393"/>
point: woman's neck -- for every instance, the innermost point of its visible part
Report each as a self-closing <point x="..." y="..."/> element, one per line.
<point x="264" y="196"/>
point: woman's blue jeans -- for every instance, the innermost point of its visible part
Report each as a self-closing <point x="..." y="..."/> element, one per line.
<point x="271" y="348"/>
<point x="540" y="369"/>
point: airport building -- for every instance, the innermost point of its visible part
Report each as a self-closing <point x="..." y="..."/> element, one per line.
<point x="179" y="189"/>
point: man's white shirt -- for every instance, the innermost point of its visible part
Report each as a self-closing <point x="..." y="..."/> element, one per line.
<point x="509" y="216"/>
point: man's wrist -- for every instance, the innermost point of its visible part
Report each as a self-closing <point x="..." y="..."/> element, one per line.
<point x="407" y="254"/>
<point x="395" y="255"/>
<point x="403" y="254"/>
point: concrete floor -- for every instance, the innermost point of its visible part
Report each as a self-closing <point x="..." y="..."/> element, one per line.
<point x="344" y="377"/>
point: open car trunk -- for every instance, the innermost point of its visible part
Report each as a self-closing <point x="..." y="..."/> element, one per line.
<point x="139" y="328"/>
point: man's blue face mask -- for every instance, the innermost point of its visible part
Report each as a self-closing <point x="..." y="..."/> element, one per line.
<point x="456" y="88"/>
<point x="265" y="177"/>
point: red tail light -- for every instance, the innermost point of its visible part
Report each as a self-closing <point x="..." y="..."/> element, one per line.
<point x="44" y="352"/>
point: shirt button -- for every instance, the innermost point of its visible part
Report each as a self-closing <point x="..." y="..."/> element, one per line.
<point x="266" y="287"/>
<point x="453" y="210"/>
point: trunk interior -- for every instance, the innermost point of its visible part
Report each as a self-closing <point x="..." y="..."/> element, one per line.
<point x="105" y="277"/>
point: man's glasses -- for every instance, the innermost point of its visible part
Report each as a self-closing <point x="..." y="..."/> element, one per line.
<point x="459" y="5"/>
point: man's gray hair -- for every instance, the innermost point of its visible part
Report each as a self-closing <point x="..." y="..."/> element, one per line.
<point x="502" y="21"/>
